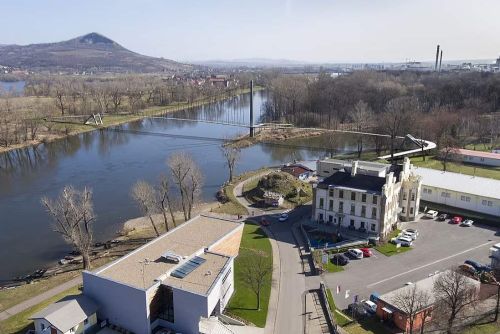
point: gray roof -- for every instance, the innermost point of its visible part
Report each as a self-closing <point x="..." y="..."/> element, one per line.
<point x="66" y="314"/>
<point x="473" y="185"/>
<point x="361" y="182"/>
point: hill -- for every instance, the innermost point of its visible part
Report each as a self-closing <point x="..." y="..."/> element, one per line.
<point x="91" y="53"/>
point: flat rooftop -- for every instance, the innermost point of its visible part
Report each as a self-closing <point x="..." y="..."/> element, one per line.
<point x="468" y="184"/>
<point x="202" y="278"/>
<point x="359" y="182"/>
<point x="187" y="240"/>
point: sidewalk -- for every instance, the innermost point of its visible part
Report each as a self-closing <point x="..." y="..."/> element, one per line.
<point x="4" y="315"/>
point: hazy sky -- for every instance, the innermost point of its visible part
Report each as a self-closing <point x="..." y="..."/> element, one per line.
<point x="307" y="30"/>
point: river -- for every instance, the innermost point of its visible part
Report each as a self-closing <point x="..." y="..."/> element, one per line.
<point x="110" y="161"/>
<point x="14" y="87"/>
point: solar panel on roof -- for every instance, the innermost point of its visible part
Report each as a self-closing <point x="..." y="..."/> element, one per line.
<point x="188" y="267"/>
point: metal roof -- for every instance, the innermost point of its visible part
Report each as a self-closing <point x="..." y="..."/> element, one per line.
<point x="473" y="185"/>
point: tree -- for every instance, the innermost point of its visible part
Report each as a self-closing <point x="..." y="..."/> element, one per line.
<point x="361" y="116"/>
<point x="411" y="301"/>
<point x="257" y="270"/>
<point x="73" y="215"/>
<point x="166" y="200"/>
<point x="447" y="148"/>
<point x="232" y="155"/>
<point x="454" y="293"/>
<point x="144" y="195"/>
<point x="188" y="178"/>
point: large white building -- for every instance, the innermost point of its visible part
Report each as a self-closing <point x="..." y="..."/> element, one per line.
<point x="365" y="196"/>
<point x="476" y="157"/>
<point x="461" y="191"/>
<point x="172" y="282"/>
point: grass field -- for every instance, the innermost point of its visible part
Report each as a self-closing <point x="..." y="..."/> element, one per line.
<point x="332" y="268"/>
<point x="340" y="319"/>
<point x="243" y="303"/>
<point x="19" y="323"/>
<point x="432" y="162"/>
<point x="389" y="249"/>
<point x="367" y="326"/>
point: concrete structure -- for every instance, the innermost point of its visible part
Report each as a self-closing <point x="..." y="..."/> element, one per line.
<point x="273" y="199"/>
<point x="478" y="194"/>
<point x="389" y="310"/>
<point x="476" y="157"/>
<point x="171" y="282"/>
<point x="75" y="315"/>
<point x="365" y="196"/>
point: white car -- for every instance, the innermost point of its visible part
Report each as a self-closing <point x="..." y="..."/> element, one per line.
<point x="467" y="223"/>
<point x="431" y="214"/>
<point x="411" y="233"/>
<point x="283" y="217"/>
<point x="355" y="253"/>
<point x="370" y="306"/>
<point x="403" y="240"/>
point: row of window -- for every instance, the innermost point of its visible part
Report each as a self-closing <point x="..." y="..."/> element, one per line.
<point x="405" y="197"/>
<point x="353" y="196"/>
<point x="403" y="210"/>
<point x="352" y="211"/>
<point x="362" y="224"/>
<point x="463" y="198"/>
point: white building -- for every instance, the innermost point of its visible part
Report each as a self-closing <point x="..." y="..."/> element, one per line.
<point x="476" y="157"/>
<point x="368" y="197"/>
<point x="461" y="191"/>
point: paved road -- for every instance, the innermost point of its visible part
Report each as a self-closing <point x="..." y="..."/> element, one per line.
<point x="39" y="298"/>
<point x="439" y="247"/>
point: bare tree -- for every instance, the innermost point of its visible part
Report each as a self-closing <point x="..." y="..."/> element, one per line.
<point x="361" y="116"/>
<point x="232" y="155"/>
<point x="73" y="214"/>
<point x="257" y="270"/>
<point x="144" y="195"/>
<point x="447" y="148"/>
<point x="454" y="293"/>
<point x="166" y="200"/>
<point x="188" y="178"/>
<point x="412" y="302"/>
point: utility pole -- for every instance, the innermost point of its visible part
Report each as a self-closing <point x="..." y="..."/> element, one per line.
<point x="437" y="58"/>
<point x="251" y="110"/>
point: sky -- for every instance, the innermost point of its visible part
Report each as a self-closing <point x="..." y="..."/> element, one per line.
<point x="303" y="30"/>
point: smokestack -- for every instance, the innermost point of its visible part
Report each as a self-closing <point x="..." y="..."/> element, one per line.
<point x="440" y="60"/>
<point x="437" y="58"/>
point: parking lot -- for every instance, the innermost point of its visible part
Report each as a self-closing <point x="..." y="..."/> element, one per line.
<point x="440" y="245"/>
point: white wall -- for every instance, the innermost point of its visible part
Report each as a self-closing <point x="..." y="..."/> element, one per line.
<point x="122" y="305"/>
<point x="477" y="160"/>
<point x="460" y="200"/>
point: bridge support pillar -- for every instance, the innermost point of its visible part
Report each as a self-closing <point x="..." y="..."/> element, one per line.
<point x="252" y="130"/>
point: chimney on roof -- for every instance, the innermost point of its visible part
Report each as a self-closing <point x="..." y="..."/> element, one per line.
<point x="437" y="58"/>
<point x="354" y="168"/>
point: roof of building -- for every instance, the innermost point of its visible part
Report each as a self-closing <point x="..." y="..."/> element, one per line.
<point x="146" y="264"/>
<point x="358" y="182"/>
<point x="201" y="279"/>
<point x="425" y="285"/>
<point x="66" y="314"/>
<point x="296" y="170"/>
<point x="479" y="154"/>
<point x="473" y="185"/>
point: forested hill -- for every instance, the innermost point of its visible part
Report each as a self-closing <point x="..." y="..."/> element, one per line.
<point x="91" y="53"/>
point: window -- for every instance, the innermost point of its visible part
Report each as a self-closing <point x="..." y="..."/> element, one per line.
<point x="352" y="223"/>
<point x="404" y="196"/>
<point x="321" y="203"/>
<point x="374" y="213"/>
<point x="341" y="207"/>
<point x="373" y="227"/>
<point x="341" y="194"/>
<point x="330" y="205"/>
<point x="412" y="197"/>
<point x="490" y="203"/>
<point x="374" y="199"/>
<point x="484" y="202"/>
<point x="353" y="209"/>
<point x="445" y="194"/>
<point x="411" y="211"/>
<point x="320" y="217"/>
<point x="363" y="211"/>
<point x="362" y="224"/>
<point x="403" y="209"/>
<point x="427" y="191"/>
<point x="42" y="326"/>
<point x="353" y="196"/>
<point x="330" y="192"/>
<point x="85" y="322"/>
<point x="363" y="198"/>
<point x="330" y="218"/>
<point x="226" y="275"/>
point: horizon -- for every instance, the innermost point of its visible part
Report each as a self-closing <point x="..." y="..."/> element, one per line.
<point x="378" y="31"/>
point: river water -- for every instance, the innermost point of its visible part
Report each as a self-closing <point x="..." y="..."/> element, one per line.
<point x="110" y="161"/>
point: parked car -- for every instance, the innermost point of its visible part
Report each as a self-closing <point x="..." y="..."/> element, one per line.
<point x="367" y="252"/>
<point x="283" y="217"/>
<point x="355" y="253"/>
<point x="404" y="241"/>
<point x="431" y="214"/>
<point x="456" y="220"/>
<point x="467" y="268"/>
<point x="264" y="222"/>
<point x="467" y="223"/>
<point x="340" y="259"/>
<point x="412" y="230"/>
<point x="357" y="310"/>
<point x="442" y="217"/>
<point x="370" y="306"/>
<point x="478" y="266"/>
<point x="409" y="233"/>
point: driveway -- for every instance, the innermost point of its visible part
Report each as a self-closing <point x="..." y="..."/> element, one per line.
<point x="440" y="246"/>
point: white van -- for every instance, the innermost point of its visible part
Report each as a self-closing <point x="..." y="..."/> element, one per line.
<point x="355" y="253"/>
<point x="431" y="214"/>
<point x="370" y="306"/>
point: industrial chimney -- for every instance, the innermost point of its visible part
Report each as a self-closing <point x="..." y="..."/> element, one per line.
<point x="440" y="60"/>
<point x="437" y="58"/>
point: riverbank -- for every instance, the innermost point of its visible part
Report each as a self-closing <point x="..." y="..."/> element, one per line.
<point x="275" y="135"/>
<point x="66" y="129"/>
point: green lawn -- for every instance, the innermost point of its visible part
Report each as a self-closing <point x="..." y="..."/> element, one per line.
<point x="19" y="323"/>
<point x="389" y="249"/>
<point x="492" y="328"/>
<point x="332" y="268"/>
<point x="367" y="326"/>
<point x="468" y="169"/>
<point x="340" y="319"/>
<point x="243" y="303"/>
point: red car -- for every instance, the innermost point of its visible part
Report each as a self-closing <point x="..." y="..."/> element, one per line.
<point x="456" y="220"/>
<point x="367" y="252"/>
